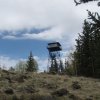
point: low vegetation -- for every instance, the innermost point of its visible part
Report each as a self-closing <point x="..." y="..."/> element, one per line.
<point x="42" y="86"/>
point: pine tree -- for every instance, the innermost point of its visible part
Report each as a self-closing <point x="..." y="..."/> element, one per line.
<point x="54" y="66"/>
<point x="87" y="54"/>
<point x="77" y="2"/>
<point x="32" y="65"/>
<point x="70" y="65"/>
<point x="83" y="51"/>
<point x="95" y="42"/>
<point x="61" y="66"/>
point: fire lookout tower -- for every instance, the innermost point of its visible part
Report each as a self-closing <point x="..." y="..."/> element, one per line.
<point x="54" y="49"/>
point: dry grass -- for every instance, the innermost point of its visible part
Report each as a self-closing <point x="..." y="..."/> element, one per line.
<point x="33" y="86"/>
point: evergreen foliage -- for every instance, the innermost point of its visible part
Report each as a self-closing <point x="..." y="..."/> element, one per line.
<point x="61" y="67"/>
<point x="54" y="66"/>
<point x="32" y="65"/>
<point x="85" y="1"/>
<point x="11" y="69"/>
<point x="70" y="68"/>
<point x="87" y="54"/>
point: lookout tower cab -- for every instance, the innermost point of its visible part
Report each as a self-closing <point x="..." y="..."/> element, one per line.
<point x="54" y="46"/>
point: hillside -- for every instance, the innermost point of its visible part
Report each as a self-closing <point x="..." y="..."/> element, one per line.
<point x="33" y="86"/>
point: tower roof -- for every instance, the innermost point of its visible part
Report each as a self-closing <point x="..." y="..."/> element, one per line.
<point x="54" y="46"/>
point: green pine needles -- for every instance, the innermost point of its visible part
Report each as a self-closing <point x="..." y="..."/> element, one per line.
<point x="32" y="65"/>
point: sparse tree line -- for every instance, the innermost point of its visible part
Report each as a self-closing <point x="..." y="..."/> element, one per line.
<point x="30" y="65"/>
<point x="86" y="58"/>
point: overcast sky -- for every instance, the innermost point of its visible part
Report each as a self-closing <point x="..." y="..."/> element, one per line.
<point x="28" y="25"/>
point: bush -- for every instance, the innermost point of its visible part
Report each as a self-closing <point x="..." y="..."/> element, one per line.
<point x="60" y="92"/>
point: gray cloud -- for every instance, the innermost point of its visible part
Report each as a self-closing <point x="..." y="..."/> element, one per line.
<point x="63" y="16"/>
